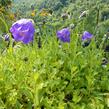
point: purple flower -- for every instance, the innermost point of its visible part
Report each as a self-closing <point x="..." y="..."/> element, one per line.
<point x="64" y="35"/>
<point x="86" y="36"/>
<point x="23" y="30"/>
<point x="6" y="37"/>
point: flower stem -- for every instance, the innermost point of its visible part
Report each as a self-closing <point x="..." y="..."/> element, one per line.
<point x="4" y="22"/>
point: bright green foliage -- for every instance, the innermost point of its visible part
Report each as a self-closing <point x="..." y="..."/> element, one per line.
<point x="70" y="77"/>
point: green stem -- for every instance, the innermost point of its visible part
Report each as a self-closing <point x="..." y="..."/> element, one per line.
<point x="7" y="31"/>
<point x="6" y="27"/>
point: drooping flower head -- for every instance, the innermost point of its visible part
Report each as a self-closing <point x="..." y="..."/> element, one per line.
<point x="86" y="36"/>
<point x="6" y="37"/>
<point x="23" y="30"/>
<point x="64" y="35"/>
